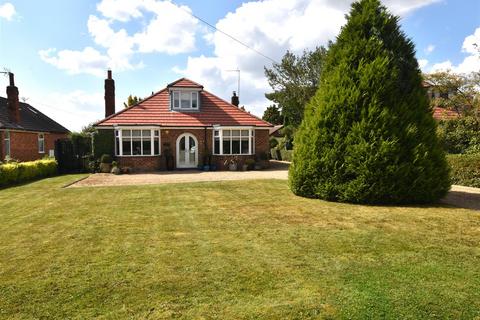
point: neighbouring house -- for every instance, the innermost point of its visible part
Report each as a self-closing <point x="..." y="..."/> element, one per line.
<point x="276" y="132"/>
<point x="440" y="113"/>
<point x="26" y="133"/>
<point x="183" y="124"/>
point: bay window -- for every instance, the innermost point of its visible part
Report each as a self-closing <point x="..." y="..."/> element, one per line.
<point x="233" y="141"/>
<point x="137" y="142"/>
<point x="184" y="100"/>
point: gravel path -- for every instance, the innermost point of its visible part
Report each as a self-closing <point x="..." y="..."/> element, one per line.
<point x="459" y="196"/>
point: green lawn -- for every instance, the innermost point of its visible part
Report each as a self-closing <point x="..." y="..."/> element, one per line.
<point x="230" y="250"/>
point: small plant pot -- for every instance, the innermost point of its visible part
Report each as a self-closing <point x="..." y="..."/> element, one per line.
<point x="213" y="167"/>
<point x="232" y="167"/>
<point x="116" y="170"/>
<point x="258" y="166"/>
<point x="206" y="167"/>
<point x="245" y="167"/>
<point x="105" y="167"/>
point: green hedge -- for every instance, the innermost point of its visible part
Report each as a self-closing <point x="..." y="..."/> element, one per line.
<point x="465" y="169"/>
<point x="460" y="135"/>
<point x="18" y="172"/>
<point x="103" y="143"/>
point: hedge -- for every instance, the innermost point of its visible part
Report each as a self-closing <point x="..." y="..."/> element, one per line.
<point x="465" y="169"/>
<point x="18" y="172"/>
<point x="103" y="143"/>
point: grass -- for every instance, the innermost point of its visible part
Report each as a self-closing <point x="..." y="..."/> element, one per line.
<point x="230" y="250"/>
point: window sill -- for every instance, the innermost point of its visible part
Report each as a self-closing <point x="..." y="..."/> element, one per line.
<point x="138" y="155"/>
<point x="235" y="154"/>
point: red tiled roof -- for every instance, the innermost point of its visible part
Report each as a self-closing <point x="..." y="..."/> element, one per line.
<point x="444" y="114"/>
<point x="155" y="110"/>
<point x="185" y="83"/>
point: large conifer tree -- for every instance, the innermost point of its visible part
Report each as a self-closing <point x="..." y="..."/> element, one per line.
<point x="368" y="135"/>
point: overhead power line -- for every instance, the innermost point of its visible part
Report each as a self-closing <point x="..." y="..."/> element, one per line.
<point x="230" y="36"/>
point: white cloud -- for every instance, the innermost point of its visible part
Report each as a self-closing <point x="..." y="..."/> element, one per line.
<point x="171" y="29"/>
<point x="429" y="49"/>
<point x="271" y="27"/>
<point x="7" y="11"/>
<point x="471" y="63"/>
<point x="88" y="60"/>
<point x="422" y="63"/>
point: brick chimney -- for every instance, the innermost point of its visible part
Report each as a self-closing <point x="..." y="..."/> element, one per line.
<point x="12" y="100"/>
<point x="235" y="100"/>
<point x="109" y="95"/>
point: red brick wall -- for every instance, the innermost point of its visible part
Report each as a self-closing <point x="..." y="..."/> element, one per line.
<point x="144" y="163"/>
<point x="169" y="141"/>
<point x="24" y="145"/>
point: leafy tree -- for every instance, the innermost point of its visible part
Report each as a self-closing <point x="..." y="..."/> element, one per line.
<point x="368" y="135"/>
<point x="294" y="82"/>
<point x="272" y="115"/>
<point x="131" y="100"/>
<point x="458" y="92"/>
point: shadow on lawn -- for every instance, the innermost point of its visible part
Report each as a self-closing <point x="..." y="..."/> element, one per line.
<point x="462" y="199"/>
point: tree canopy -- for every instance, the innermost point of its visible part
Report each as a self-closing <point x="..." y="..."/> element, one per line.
<point x="272" y="114"/>
<point x="294" y="81"/>
<point x="368" y="135"/>
<point x="131" y="100"/>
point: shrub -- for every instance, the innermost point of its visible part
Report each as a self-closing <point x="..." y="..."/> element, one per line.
<point x="460" y="135"/>
<point x="106" y="158"/>
<point x="286" y="155"/>
<point x="465" y="169"/>
<point x="273" y="142"/>
<point x="103" y="142"/>
<point x="368" y="135"/>
<point x="18" y="172"/>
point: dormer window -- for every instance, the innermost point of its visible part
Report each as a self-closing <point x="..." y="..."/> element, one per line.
<point x="184" y="100"/>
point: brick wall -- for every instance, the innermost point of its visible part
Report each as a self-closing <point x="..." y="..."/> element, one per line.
<point x="144" y="163"/>
<point x="169" y="142"/>
<point x="24" y="145"/>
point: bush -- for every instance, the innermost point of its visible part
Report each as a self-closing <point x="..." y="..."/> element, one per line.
<point x="460" y="135"/>
<point x="465" y="169"/>
<point x="106" y="158"/>
<point x="273" y="142"/>
<point x="368" y="135"/>
<point x="286" y="155"/>
<point x="18" y="172"/>
<point x="103" y="142"/>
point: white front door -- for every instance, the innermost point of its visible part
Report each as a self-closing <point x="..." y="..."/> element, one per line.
<point x="187" y="151"/>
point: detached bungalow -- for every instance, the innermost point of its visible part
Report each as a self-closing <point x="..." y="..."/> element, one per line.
<point x="26" y="133"/>
<point x="181" y="126"/>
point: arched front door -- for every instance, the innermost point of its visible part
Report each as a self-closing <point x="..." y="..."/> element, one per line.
<point x="187" y="151"/>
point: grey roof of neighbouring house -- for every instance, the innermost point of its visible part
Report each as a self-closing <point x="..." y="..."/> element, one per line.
<point x="30" y="119"/>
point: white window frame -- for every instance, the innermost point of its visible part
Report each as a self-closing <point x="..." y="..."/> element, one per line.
<point x="251" y="141"/>
<point x="41" y="143"/>
<point x="178" y="93"/>
<point x="119" y="134"/>
<point x="7" y="142"/>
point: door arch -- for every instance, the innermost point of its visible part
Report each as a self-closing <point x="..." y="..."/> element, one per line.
<point x="187" y="151"/>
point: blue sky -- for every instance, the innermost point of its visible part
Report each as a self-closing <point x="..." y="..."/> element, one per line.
<point x="60" y="50"/>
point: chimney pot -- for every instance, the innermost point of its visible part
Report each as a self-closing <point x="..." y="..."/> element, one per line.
<point x="109" y="95"/>
<point x="235" y="99"/>
<point x="12" y="100"/>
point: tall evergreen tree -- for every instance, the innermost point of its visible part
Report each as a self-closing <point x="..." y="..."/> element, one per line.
<point x="368" y="135"/>
<point x="272" y="114"/>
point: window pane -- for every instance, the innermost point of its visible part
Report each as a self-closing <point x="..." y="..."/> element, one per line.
<point x="216" y="133"/>
<point x="244" y="146"/>
<point x="185" y="103"/>
<point x="226" y="146"/>
<point x="194" y="100"/>
<point x="176" y="100"/>
<point x="156" y="146"/>
<point x="156" y="132"/>
<point x="226" y="133"/>
<point x="137" y="146"/>
<point x="117" y="146"/>
<point x="235" y="146"/>
<point x="235" y="133"/>
<point x="147" y="146"/>
<point x="216" y="146"/>
<point x="127" y="149"/>
<point x="146" y="133"/>
<point x="136" y="133"/>
<point x="126" y="133"/>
